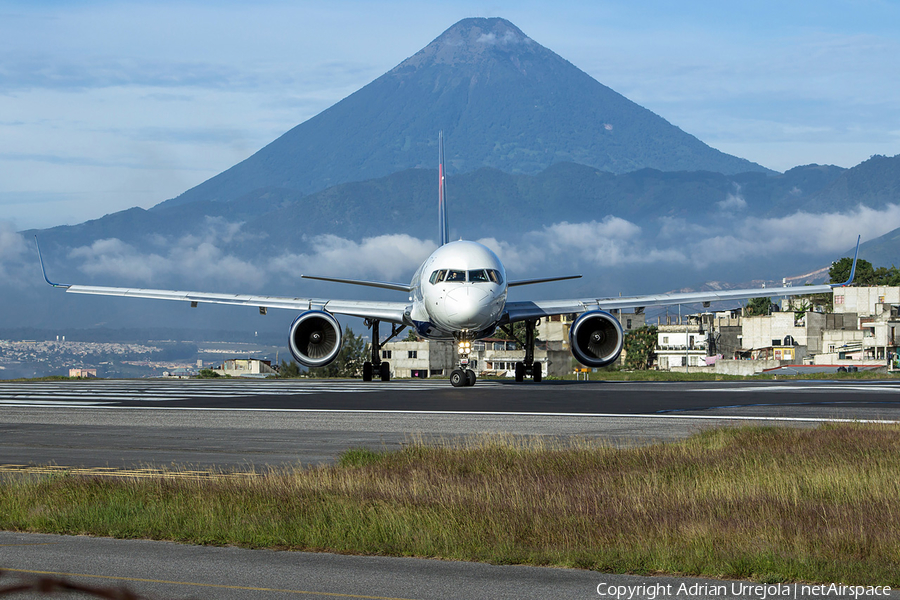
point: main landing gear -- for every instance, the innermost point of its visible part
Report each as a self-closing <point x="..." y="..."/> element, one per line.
<point x="528" y="367"/>
<point x="375" y="367"/>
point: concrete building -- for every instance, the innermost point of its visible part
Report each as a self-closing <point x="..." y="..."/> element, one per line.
<point x="865" y="326"/>
<point x="785" y="335"/>
<point x="246" y="367"/>
<point x="498" y="357"/>
<point x="493" y="357"/>
<point x="83" y="373"/>
<point x="682" y="345"/>
<point x="423" y="358"/>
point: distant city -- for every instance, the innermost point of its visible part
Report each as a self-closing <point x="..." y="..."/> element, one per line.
<point x="33" y="358"/>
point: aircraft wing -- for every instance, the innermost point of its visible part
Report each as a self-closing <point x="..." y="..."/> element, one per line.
<point x="367" y="309"/>
<point x="385" y="311"/>
<point x="519" y="311"/>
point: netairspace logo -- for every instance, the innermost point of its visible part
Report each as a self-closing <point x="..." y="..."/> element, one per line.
<point x="739" y="589"/>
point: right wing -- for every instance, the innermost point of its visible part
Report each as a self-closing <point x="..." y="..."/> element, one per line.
<point x="367" y="309"/>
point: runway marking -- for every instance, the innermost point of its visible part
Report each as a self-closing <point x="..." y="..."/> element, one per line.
<point x="29" y="402"/>
<point x="894" y="388"/>
<point x="75" y="394"/>
<point x="455" y="413"/>
<point x="204" y="585"/>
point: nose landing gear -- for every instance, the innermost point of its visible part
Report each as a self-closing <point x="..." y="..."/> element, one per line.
<point x="463" y="376"/>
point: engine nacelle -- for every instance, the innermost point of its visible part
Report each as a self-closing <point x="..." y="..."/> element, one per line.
<point x="596" y="338"/>
<point x="315" y="338"/>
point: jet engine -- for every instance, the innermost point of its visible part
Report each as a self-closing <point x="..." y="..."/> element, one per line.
<point x="596" y="338"/>
<point x="315" y="338"/>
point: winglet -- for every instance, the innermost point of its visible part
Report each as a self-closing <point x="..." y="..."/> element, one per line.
<point x="442" y="205"/>
<point x="852" y="269"/>
<point x="43" y="270"/>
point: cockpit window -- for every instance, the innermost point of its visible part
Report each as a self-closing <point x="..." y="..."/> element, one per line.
<point x="478" y="276"/>
<point x="456" y="276"/>
<point x="495" y="276"/>
<point x="438" y="276"/>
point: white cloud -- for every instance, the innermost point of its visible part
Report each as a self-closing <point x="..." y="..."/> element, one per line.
<point x="12" y="247"/>
<point x="732" y="202"/>
<point x="193" y="257"/>
<point x="617" y="243"/>
<point x="390" y="257"/>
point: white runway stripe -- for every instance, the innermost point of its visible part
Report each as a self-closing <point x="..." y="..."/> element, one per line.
<point x="841" y="388"/>
<point x="81" y="393"/>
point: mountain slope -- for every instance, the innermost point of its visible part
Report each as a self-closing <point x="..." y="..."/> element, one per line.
<point x="503" y="101"/>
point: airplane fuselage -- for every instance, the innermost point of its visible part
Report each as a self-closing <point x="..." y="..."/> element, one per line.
<point x="459" y="292"/>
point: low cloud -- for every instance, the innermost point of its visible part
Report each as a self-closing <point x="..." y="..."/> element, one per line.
<point x="509" y="37"/>
<point x="389" y="257"/>
<point x="193" y="257"/>
<point x="611" y="243"/>
<point x="732" y="203"/>
<point x="618" y="243"/>
<point x="12" y="249"/>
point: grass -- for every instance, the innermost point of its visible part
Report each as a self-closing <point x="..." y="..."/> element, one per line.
<point x="769" y="504"/>
<point x="650" y="375"/>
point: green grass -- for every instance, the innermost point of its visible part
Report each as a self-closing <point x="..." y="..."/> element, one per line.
<point x="621" y="375"/>
<point x="765" y="503"/>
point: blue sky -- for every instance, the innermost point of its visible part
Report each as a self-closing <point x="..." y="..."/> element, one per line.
<point x="108" y="105"/>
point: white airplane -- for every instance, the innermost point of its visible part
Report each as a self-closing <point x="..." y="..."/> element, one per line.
<point x="459" y="293"/>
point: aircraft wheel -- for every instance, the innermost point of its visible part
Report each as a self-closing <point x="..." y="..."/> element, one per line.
<point x="470" y="377"/>
<point x="458" y="378"/>
<point x="537" y="373"/>
<point x="385" y="371"/>
<point x="520" y="372"/>
<point x="367" y="371"/>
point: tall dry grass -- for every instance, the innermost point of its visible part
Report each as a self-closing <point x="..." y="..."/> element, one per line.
<point x="772" y="504"/>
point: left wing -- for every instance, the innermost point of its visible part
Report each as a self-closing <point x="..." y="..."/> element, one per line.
<point x="520" y="311"/>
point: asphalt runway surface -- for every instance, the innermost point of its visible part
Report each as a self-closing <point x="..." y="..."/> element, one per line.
<point x="234" y="424"/>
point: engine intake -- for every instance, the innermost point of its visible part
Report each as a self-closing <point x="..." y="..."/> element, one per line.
<point x="315" y="338"/>
<point x="596" y="338"/>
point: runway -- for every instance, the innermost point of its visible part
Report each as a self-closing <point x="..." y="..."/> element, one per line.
<point x="234" y="424"/>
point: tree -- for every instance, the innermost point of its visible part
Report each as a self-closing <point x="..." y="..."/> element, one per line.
<point x="866" y="274"/>
<point x="289" y="369"/>
<point x="349" y="361"/>
<point x="640" y="344"/>
<point x="411" y="335"/>
<point x="840" y="271"/>
<point x="518" y="333"/>
<point x="758" y="306"/>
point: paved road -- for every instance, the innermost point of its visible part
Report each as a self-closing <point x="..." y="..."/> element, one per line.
<point x="238" y="423"/>
<point x="167" y="570"/>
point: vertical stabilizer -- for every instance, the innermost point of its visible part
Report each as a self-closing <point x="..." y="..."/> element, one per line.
<point x="442" y="204"/>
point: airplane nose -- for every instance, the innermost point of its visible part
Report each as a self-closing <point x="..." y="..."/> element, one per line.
<point x="468" y="306"/>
